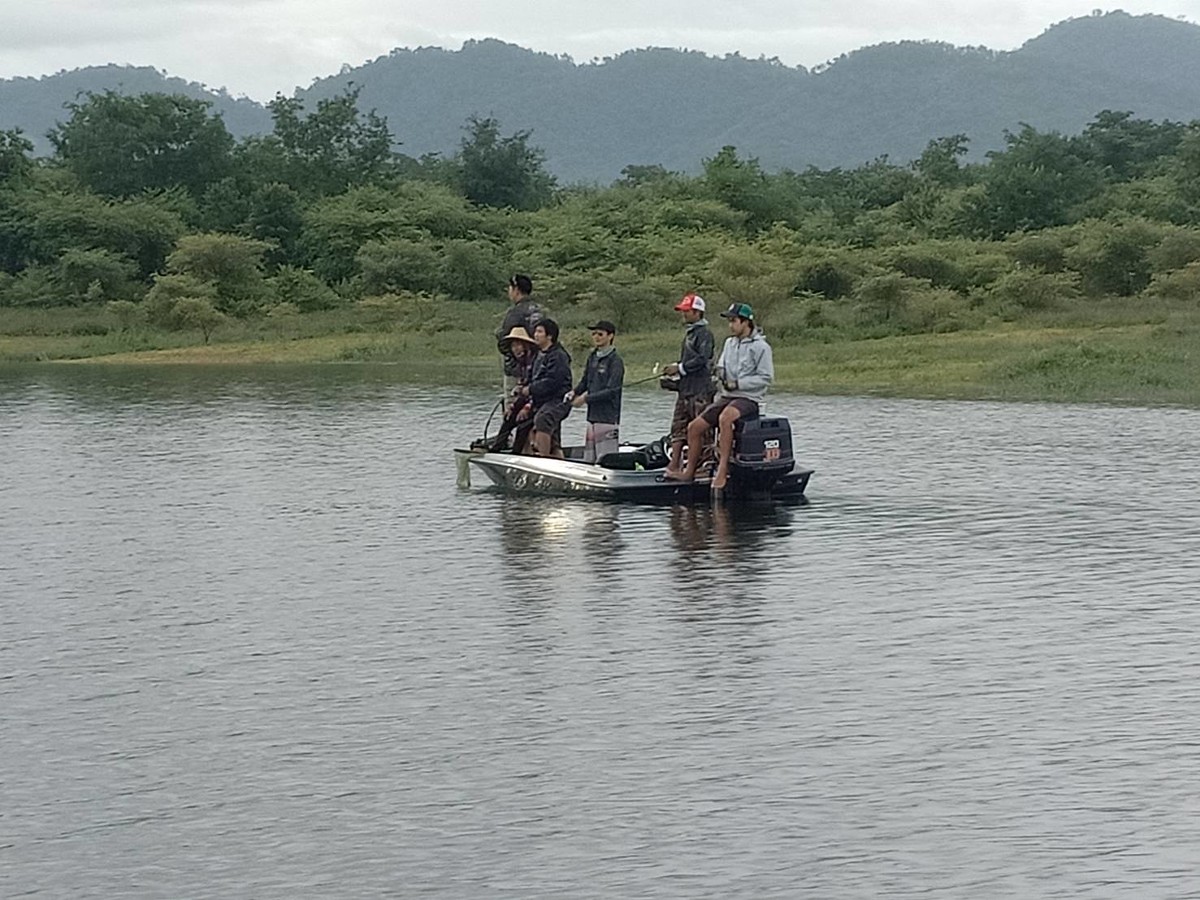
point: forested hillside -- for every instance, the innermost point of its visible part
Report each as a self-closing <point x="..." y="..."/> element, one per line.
<point x="675" y="108"/>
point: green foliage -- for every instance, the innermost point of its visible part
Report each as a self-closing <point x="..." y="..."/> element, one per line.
<point x="96" y="275"/>
<point x="231" y="264"/>
<point x="126" y="312"/>
<point x="1177" y="248"/>
<point x="742" y="185"/>
<point x="470" y="270"/>
<point x="197" y="313"/>
<point x="302" y="289"/>
<point x="502" y="172"/>
<point x="14" y="156"/>
<point x="1113" y="257"/>
<point x="1023" y="290"/>
<point x="1037" y="182"/>
<point x="327" y="151"/>
<point x="1182" y="285"/>
<point x="275" y="217"/>
<point x="1045" y="250"/>
<point x="939" y="162"/>
<point x="167" y="290"/>
<point x="120" y="146"/>
<point x="400" y="264"/>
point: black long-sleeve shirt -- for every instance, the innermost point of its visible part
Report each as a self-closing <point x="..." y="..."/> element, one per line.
<point x="551" y="379"/>
<point x="602" y="380"/>
<point x="695" y="360"/>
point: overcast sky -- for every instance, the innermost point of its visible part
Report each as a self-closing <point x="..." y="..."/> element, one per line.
<point x="258" y="47"/>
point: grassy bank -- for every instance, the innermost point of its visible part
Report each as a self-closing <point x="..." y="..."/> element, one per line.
<point x="1115" y="355"/>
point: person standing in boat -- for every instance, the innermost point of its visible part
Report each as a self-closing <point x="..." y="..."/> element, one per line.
<point x="745" y="371"/>
<point x="600" y="389"/>
<point x="549" y="385"/>
<point x="523" y="313"/>
<point x="691" y="376"/>
<point x="518" y="407"/>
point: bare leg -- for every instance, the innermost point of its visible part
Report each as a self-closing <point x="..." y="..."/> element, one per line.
<point x="697" y="429"/>
<point x="729" y="417"/>
<point x="676" y="454"/>
<point x="539" y="444"/>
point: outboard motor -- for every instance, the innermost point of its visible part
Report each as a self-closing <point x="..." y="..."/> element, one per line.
<point x="762" y="452"/>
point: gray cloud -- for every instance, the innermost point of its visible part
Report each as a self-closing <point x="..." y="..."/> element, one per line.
<point x="259" y="47"/>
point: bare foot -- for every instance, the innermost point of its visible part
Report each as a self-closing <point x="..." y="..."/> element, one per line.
<point x="678" y="476"/>
<point x="719" y="481"/>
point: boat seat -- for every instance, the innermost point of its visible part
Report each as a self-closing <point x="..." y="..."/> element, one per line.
<point x="647" y="456"/>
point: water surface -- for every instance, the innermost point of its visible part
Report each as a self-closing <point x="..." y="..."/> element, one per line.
<point x="255" y="642"/>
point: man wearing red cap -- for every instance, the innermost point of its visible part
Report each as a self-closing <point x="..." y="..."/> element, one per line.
<point x="746" y="369"/>
<point x="691" y="376"/>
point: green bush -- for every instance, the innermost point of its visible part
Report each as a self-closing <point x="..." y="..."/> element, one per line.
<point x="1045" y="250"/>
<point x="1178" y="248"/>
<point x="470" y="270"/>
<point x="1029" y="289"/>
<point x="1113" y="257"/>
<point x="397" y="265"/>
<point x="302" y="289"/>
<point x="1180" y="284"/>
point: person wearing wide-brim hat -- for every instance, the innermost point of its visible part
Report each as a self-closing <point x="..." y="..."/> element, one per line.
<point x="520" y="347"/>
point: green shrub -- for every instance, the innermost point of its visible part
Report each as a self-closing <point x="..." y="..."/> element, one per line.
<point x="1112" y="257"/>
<point x="302" y="289"/>
<point x="470" y="270"/>
<point x="1180" y="284"/>
<point x="1029" y="289"/>
<point x="1045" y="250"/>
<point x="397" y="265"/>
<point x="1178" y="247"/>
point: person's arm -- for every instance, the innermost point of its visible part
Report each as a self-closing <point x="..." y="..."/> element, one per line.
<point x="581" y="388"/>
<point x="616" y="375"/>
<point x="697" y="352"/>
<point x="763" y="373"/>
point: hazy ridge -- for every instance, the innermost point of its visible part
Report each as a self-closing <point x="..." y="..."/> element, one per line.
<point x="674" y="107"/>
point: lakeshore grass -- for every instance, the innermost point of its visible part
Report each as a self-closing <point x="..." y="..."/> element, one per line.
<point x="1110" y="354"/>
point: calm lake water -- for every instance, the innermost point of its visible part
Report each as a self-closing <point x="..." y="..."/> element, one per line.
<point x="255" y="643"/>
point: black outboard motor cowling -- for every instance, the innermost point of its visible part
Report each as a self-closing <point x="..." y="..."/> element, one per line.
<point x="763" y="443"/>
<point x="762" y="455"/>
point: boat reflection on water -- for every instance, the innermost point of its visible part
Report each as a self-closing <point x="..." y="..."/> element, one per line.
<point x="550" y="541"/>
<point x="726" y="542"/>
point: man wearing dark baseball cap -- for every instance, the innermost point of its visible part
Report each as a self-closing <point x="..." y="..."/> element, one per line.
<point x="745" y="370"/>
<point x="600" y="389"/>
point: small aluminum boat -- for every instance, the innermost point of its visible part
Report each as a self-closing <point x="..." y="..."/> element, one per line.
<point x="762" y="469"/>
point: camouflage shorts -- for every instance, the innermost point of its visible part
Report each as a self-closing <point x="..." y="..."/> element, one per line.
<point x="686" y="409"/>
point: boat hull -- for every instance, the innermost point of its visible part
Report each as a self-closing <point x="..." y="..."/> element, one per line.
<point x="565" y="477"/>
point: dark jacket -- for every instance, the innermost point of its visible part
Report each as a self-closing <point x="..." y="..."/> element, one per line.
<point x="695" y="360"/>
<point x="551" y="379"/>
<point x="522" y="314"/>
<point x="602" y="378"/>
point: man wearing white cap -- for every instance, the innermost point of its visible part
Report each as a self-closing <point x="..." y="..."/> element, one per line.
<point x="691" y="376"/>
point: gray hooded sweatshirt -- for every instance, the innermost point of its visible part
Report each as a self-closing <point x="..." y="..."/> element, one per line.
<point x="749" y="362"/>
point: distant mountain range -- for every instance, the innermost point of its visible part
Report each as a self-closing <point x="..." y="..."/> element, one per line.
<point x="675" y="107"/>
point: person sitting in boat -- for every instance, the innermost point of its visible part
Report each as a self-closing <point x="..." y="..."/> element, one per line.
<point x="745" y="371"/>
<point x="518" y="409"/>
<point x="691" y="377"/>
<point x="549" y="384"/>
<point x="600" y="389"/>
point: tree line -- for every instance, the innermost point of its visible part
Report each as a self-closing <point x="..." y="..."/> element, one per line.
<point x="149" y="206"/>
